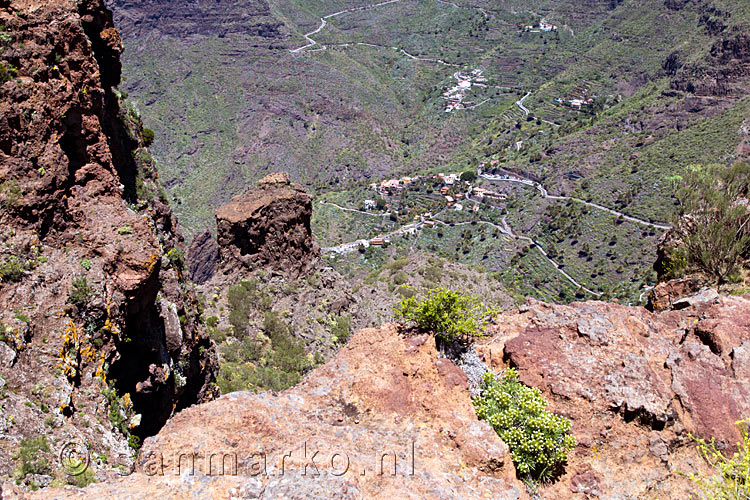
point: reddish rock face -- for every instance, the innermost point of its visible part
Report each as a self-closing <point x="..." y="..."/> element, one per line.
<point x="267" y="227"/>
<point x="635" y="385"/>
<point x="665" y="294"/>
<point x="384" y="394"/>
<point x="70" y="209"/>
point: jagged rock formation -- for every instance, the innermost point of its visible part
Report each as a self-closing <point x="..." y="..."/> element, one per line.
<point x="384" y="393"/>
<point x="267" y="227"/>
<point x="725" y="69"/>
<point x="635" y="384"/>
<point x="202" y="257"/>
<point x="93" y="298"/>
<point x="199" y="17"/>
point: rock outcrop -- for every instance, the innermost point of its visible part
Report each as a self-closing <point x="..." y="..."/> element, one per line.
<point x="726" y="68"/>
<point x="267" y="227"/>
<point x="102" y="326"/>
<point x="198" y="17"/>
<point x="635" y="384"/>
<point x="387" y="398"/>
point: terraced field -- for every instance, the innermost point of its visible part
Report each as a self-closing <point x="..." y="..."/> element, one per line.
<point x="342" y="93"/>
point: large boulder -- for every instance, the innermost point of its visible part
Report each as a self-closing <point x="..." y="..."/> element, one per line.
<point x="635" y="384"/>
<point x="387" y="398"/>
<point x="268" y="227"/>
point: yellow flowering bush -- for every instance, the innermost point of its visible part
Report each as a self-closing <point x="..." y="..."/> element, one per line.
<point x="539" y="441"/>
<point x="731" y="480"/>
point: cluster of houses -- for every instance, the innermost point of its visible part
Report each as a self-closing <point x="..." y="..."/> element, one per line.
<point x="575" y="103"/>
<point x="543" y="26"/>
<point x="388" y="186"/>
<point x="454" y="96"/>
<point x="482" y="193"/>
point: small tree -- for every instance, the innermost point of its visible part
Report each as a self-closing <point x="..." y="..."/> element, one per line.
<point x="448" y="314"/>
<point x="715" y="230"/>
<point x="148" y="137"/>
<point x="469" y="176"/>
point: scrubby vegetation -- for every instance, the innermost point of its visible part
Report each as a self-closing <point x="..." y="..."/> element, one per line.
<point x="539" y="441"/>
<point x="32" y="458"/>
<point x="269" y="359"/>
<point x="731" y="479"/>
<point x="715" y="231"/>
<point x="81" y="292"/>
<point x="448" y="314"/>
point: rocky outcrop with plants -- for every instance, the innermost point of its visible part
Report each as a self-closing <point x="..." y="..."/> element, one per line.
<point x="100" y="333"/>
<point x="612" y="400"/>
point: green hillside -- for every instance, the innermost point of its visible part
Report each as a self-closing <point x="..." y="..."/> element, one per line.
<point x="660" y="85"/>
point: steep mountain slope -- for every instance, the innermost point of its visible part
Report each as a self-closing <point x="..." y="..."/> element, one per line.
<point x="658" y="83"/>
<point x="100" y="334"/>
<point x="233" y="103"/>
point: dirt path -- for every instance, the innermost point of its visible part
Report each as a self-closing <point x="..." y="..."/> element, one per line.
<point x="505" y="229"/>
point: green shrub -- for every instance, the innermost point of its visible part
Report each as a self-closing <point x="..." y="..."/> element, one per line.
<point x="125" y="230"/>
<point x="718" y="234"/>
<point x="11" y="270"/>
<point x="30" y="457"/>
<point x="10" y="191"/>
<point x="252" y="364"/>
<point x="86" y="264"/>
<point x="148" y="137"/>
<point x="400" y="278"/>
<point x="7" y="72"/>
<point x="448" y="314"/>
<point x="342" y="329"/>
<point x="176" y="258"/>
<point x="538" y="440"/>
<point x="731" y="479"/>
<point x="81" y="292"/>
<point x="81" y="480"/>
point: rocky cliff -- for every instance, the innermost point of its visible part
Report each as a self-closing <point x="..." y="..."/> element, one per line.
<point x="196" y="17"/>
<point x="267" y="227"/>
<point x="99" y="333"/>
<point x="634" y="383"/>
<point x="387" y="418"/>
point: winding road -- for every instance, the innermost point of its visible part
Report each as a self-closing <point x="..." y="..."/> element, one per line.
<point x="384" y="214"/>
<point x="545" y="194"/>
<point x="520" y="103"/>
<point x="323" y="23"/>
<point x="505" y="229"/>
